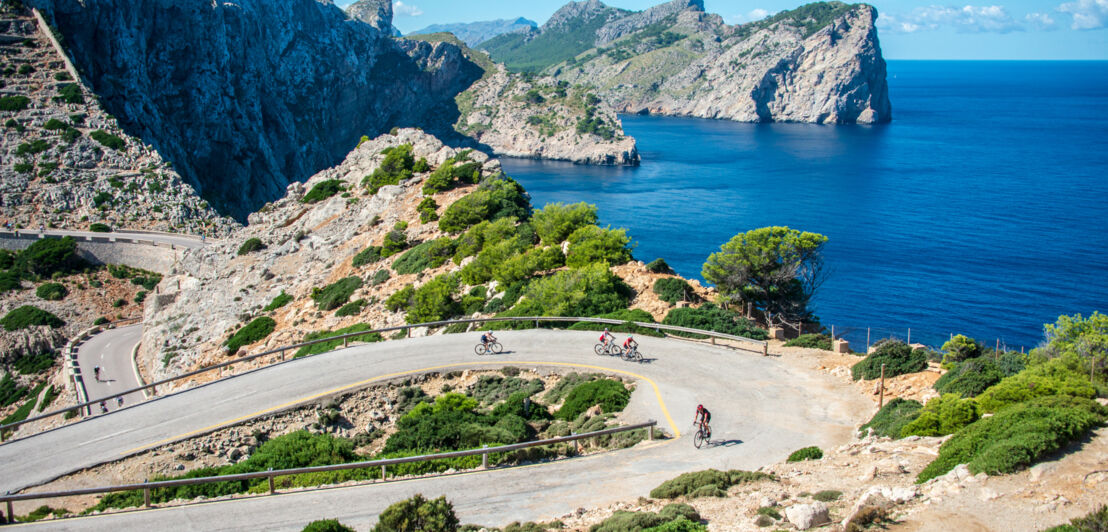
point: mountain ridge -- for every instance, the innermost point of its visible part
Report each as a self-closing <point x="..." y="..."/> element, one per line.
<point x="475" y="33"/>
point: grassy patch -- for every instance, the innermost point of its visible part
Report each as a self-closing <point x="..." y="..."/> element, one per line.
<point x="254" y="332"/>
<point x="281" y="300"/>
<point x="336" y="294"/>
<point x="807" y="453"/>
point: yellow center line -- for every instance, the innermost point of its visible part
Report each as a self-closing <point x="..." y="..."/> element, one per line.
<point x="210" y="428"/>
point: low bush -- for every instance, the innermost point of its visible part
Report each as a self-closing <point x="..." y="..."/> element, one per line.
<point x="629" y="317"/>
<point x="568" y="383"/>
<point x="69" y="93"/>
<point x="1018" y="436"/>
<point x="1094" y="521"/>
<point x="107" y="139"/>
<point x="969" y="378"/>
<point x="625" y="521"/>
<point x="418" y="514"/>
<point x="827" y="495"/>
<point x="396" y="167"/>
<point x="891" y="419"/>
<point x="26" y="408"/>
<point x="34" y="364"/>
<point x="898" y="357"/>
<point x="490" y="389"/>
<point x="29" y="316"/>
<point x="428" y="210"/>
<point x="41" y="513"/>
<point x="14" y="103"/>
<point x="401" y="299"/>
<point x="254" y="332"/>
<point x="689" y="483"/>
<point x="496" y="198"/>
<point x="395" y="242"/>
<point x="48" y="256"/>
<point x="331" y="345"/>
<point x="811" y="341"/>
<point x="10" y="391"/>
<point x="251" y="245"/>
<point x="674" y="289"/>
<point x="709" y="317"/>
<point x="51" y="394"/>
<point x="941" y="416"/>
<point x="352" y="308"/>
<point x="327" y="525"/>
<point x="659" y="266"/>
<point x="336" y="294"/>
<point x="54" y="125"/>
<point x="368" y="255"/>
<point x="281" y="300"/>
<point x="99" y="228"/>
<point x="1054" y="377"/>
<point x="611" y="395"/>
<point x="323" y="190"/>
<point x="10" y="280"/>
<point x="807" y="453"/>
<point x="960" y="348"/>
<point x="556" y="221"/>
<point x="51" y="291"/>
<point x="430" y="254"/>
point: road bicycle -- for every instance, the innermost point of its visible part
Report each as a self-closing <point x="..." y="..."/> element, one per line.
<point x="703" y="435"/>
<point x="611" y="348"/>
<point x="632" y="354"/>
<point x="489" y="348"/>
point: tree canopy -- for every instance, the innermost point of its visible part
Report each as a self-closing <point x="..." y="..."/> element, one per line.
<point x="778" y="269"/>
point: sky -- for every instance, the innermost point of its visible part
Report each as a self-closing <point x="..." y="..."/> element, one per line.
<point x="908" y="29"/>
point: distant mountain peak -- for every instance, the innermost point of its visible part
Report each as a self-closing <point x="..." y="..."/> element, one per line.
<point x="475" y="33"/>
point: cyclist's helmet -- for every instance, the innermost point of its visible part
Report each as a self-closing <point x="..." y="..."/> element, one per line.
<point x="699" y="408"/>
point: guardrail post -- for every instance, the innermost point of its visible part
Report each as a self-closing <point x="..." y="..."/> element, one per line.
<point x="485" y="458"/>
<point x="536" y="324"/>
<point x="2" y="436"/>
<point x="145" y="496"/>
<point x="11" y="513"/>
<point x="576" y="443"/>
<point x="344" y="343"/>
<point x="384" y="473"/>
<point x="765" y="349"/>
<point x="713" y="340"/>
<point x="408" y="331"/>
<point x="271" y="490"/>
<point x="650" y="433"/>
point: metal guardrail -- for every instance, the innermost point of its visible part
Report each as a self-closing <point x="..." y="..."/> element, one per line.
<point x="146" y="487"/>
<point x="762" y="348"/>
<point x="108" y="238"/>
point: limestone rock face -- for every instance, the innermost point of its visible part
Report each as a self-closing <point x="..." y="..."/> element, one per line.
<point x="539" y="119"/>
<point x="376" y="13"/>
<point x="791" y="70"/>
<point x="626" y="25"/>
<point x="246" y="96"/>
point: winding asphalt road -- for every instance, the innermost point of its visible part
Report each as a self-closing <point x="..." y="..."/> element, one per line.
<point x="763" y="408"/>
<point x="111" y="351"/>
<point x="181" y="240"/>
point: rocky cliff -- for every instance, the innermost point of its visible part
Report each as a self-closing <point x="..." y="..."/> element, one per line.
<point x="376" y="13"/>
<point x="819" y="63"/>
<point x="475" y="33"/>
<point x="66" y="162"/>
<point x="246" y="96"/>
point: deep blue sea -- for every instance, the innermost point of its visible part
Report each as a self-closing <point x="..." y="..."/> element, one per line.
<point x="981" y="209"/>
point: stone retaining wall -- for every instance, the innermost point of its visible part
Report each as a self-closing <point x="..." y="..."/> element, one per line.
<point x="134" y="252"/>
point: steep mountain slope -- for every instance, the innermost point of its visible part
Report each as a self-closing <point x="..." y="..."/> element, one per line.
<point x="818" y="63"/>
<point x="247" y="96"/>
<point x="570" y="31"/>
<point x="66" y="163"/>
<point x="475" y="33"/>
<point x="376" y="13"/>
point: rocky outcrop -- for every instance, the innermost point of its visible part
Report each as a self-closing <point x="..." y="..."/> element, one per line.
<point x="376" y="13"/>
<point x="247" y="96"/>
<point x="586" y="10"/>
<point x="542" y="119"/>
<point x="474" y="33"/>
<point x="821" y="63"/>
<point x="66" y="162"/>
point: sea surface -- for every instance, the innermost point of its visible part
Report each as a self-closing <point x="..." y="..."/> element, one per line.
<point x="981" y="209"/>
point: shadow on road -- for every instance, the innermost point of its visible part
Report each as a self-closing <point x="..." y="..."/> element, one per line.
<point x="724" y="443"/>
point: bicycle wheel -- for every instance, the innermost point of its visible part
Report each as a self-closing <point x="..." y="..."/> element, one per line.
<point x="615" y="351"/>
<point x="626" y="354"/>
<point x="480" y="349"/>
<point x="600" y="349"/>
<point x="496" y="348"/>
<point x="698" y="438"/>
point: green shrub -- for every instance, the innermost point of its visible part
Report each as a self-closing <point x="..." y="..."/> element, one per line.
<point x="32" y="148"/>
<point x="336" y="294"/>
<point x="769" y="511"/>
<point x="254" y="332"/>
<point x="430" y="254"/>
<point x="418" y="515"/>
<point x="54" y="125"/>
<point x="251" y="245"/>
<point x="591" y="244"/>
<point x="969" y="378"/>
<point x="712" y="318"/>
<point x="51" y="394"/>
<point x="612" y="396"/>
<point x="48" y="256"/>
<point x="587" y="291"/>
<point x="811" y="341"/>
<point x="10" y="391"/>
<point x="24" y="168"/>
<point x="395" y="242"/>
<point x="25" y="409"/>
<point x="70" y="135"/>
<point x="35" y="364"/>
<point x="624" y="521"/>
<point x="396" y="167"/>
<point x="898" y="357"/>
<point x="689" y="483"/>
<point x="14" y="103"/>
<point x="281" y="300"/>
<point x="556" y="221"/>
<point x="9" y="280"/>
<point x="1018" y="436"/>
<point x="1095" y="521"/>
<point x="490" y="389"/>
<point x="69" y="93"/>
<point x="368" y="255"/>
<point x="629" y="318"/>
<point x="327" y="525"/>
<point x="99" y="228"/>
<point x="428" y="210"/>
<point x="1054" y="377"/>
<point x="331" y="345"/>
<point x="1011" y="363"/>
<point x="323" y="190"/>
<point x="496" y="198"/>
<point x="352" y="308"/>
<point x="807" y="453"/>
<point x="434" y="301"/>
<point x="659" y="266"/>
<point x="107" y="139"/>
<point x="102" y="198"/>
<point x="401" y="299"/>
<point x="51" y="291"/>
<point x="891" y="419"/>
<point x="960" y="348"/>
<point x="827" y="495"/>
<point x="674" y="289"/>
<point x="941" y="416"/>
<point x="28" y="316"/>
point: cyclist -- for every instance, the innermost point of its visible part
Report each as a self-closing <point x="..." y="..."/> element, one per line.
<point x="487" y="338"/>
<point x="606" y="337"/>
<point x="703" y="418"/>
<point x="119" y="401"/>
<point x="103" y="407"/>
<point x="96" y="373"/>
<point x="630" y="343"/>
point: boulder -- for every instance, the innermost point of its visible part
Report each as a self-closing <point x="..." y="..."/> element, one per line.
<point x="805" y="516"/>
